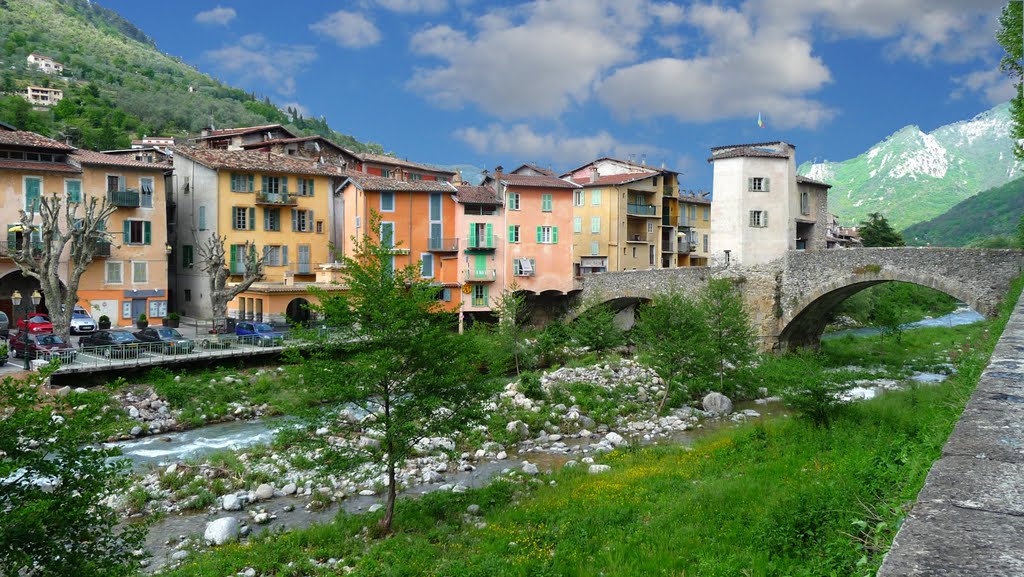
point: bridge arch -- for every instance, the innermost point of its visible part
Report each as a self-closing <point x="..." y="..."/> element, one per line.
<point x="804" y="321"/>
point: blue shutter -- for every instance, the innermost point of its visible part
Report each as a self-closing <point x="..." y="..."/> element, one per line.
<point x="251" y="180"/>
<point x="127" y="231"/>
<point x="33" y="188"/>
<point x="250" y="223"/>
<point x="284" y="184"/>
<point x="284" y="255"/>
<point x="266" y="185"/>
<point x="295" y="219"/>
<point x="511" y="233"/>
<point x="309" y="191"/>
<point x="74" y="190"/>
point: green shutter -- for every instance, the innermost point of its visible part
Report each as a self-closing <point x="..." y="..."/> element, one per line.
<point x="266" y="185"/>
<point x="75" y="191"/>
<point x="490" y="236"/>
<point x="554" y="235"/>
<point x="147" y="232"/>
<point x="234" y="255"/>
<point x="266" y="219"/>
<point x="251" y="179"/>
<point x="472" y="236"/>
<point x="539" y="235"/>
<point x="32" y="193"/>
<point x="127" y="231"/>
<point x="251" y="221"/>
<point x="511" y="233"/>
<point x="480" y="266"/>
<point x="234" y="182"/>
<point x="284" y="184"/>
<point x="309" y="189"/>
<point x="12" y="238"/>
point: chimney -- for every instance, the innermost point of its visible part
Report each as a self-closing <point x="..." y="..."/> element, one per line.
<point x="593" y="174"/>
<point x="498" y="171"/>
<point x="206" y="131"/>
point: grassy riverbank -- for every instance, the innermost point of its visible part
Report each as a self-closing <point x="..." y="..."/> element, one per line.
<point x="779" y="498"/>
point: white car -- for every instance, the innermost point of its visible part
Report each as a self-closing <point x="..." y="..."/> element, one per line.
<point x="81" y="322"/>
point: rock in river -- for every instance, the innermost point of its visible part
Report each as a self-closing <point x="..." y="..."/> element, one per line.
<point x="221" y="531"/>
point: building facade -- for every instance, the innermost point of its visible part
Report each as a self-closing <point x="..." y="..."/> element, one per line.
<point x="40" y="96"/>
<point x="45" y="63"/>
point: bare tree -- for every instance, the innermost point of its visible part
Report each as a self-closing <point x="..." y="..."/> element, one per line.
<point x="60" y="226"/>
<point x="212" y="261"/>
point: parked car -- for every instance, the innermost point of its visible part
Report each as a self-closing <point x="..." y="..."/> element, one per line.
<point x="112" y="343"/>
<point x="5" y="325"/>
<point x="260" y="334"/>
<point x="35" y="323"/>
<point x="81" y="321"/>
<point x="173" y="343"/>
<point x="43" y="346"/>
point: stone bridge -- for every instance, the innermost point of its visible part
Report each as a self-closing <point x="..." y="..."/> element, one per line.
<point x="790" y="298"/>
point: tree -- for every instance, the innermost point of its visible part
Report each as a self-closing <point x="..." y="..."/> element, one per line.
<point x="878" y="232"/>
<point x="731" y="337"/>
<point x="61" y="229"/>
<point x="509" y="307"/>
<point x="1019" y="240"/>
<point x="212" y="261"/>
<point x="1010" y="38"/>
<point x="53" y="517"/>
<point x="671" y="337"/>
<point x="394" y="353"/>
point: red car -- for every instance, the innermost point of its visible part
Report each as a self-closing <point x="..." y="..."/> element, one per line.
<point x="37" y="323"/>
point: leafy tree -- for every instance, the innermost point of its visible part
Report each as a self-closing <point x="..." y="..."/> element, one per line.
<point x="510" y="307"/>
<point x="1012" y="64"/>
<point x="876" y="231"/>
<point x="730" y="334"/>
<point x="53" y="519"/>
<point x="671" y="336"/>
<point x="394" y="353"/>
<point x="1020" y="232"/>
<point x="595" y="329"/>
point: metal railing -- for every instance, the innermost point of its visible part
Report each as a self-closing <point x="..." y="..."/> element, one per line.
<point x="685" y="221"/>
<point x="8" y="249"/>
<point x="102" y="248"/>
<point x="481" y="274"/>
<point x="683" y="247"/>
<point x="125" y="198"/>
<point x="480" y="243"/>
<point x="642" y="209"/>
<point x="301" y="268"/>
<point x="443" y="244"/>
<point x="276" y="198"/>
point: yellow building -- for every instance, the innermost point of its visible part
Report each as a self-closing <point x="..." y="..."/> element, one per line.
<point x="693" y="228"/>
<point x="128" y="276"/>
<point x="282" y="204"/>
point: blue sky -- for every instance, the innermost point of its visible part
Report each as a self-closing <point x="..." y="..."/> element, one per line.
<point x="559" y="82"/>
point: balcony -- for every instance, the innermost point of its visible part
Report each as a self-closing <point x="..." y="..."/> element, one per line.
<point x="443" y="244"/>
<point x="685" y="247"/>
<point x="685" y="221"/>
<point x="124" y="198"/>
<point x="102" y="249"/>
<point x="301" y="268"/>
<point x="8" y="249"/>
<point x="480" y="244"/>
<point x="264" y="198"/>
<point x="481" y="275"/>
<point x="641" y="210"/>
<point x="667" y="220"/>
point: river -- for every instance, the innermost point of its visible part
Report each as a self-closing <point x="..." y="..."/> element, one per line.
<point x="961" y="316"/>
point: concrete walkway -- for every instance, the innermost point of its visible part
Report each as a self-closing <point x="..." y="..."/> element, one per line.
<point x="969" y="516"/>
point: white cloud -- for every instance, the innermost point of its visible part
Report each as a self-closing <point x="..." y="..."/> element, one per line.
<point x="668" y="13"/>
<point x="254" y="57"/>
<point x="301" y="109"/>
<point x="348" y="29"/>
<point x="536" y="59"/>
<point x="742" y="71"/>
<point x="994" y="86"/>
<point x="410" y="6"/>
<point x="519" y="141"/>
<point x="216" y="16"/>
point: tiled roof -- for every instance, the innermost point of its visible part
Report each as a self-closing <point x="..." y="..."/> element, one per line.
<point x="613" y="179"/>
<point x="379" y="183"/>
<point x="256" y="161"/>
<point x="391" y="160"/>
<point x="25" y="138"/>
<point x="645" y="167"/>
<point x="100" y="159"/>
<point x="747" y="151"/>
<point x="317" y="138"/>
<point x="476" y="195"/>
<point x="533" y="180"/>
<point x="244" y="130"/>
<point x="695" y="199"/>
<point x="750" y="144"/>
<point x="536" y="169"/>
<point x="39" y="166"/>
<point x="805" y="180"/>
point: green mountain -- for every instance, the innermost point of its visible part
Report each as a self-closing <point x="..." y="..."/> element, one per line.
<point x="994" y="212"/>
<point x="117" y="84"/>
<point x="913" y="176"/>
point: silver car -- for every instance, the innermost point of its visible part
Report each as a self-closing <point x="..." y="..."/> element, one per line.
<point x="5" y="325"/>
<point x="81" y="322"/>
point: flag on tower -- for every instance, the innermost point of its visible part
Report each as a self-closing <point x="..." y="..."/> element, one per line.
<point x="759" y="121"/>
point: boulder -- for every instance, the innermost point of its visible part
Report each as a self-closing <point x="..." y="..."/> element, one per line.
<point x="221" y="531"/>
<point x="615" y="439"/>
<point x="375" y="507"/>
<point x="231" y="502"/>
<point x="289" y="489"/>
<point x="596" y="469"/>
<point x="717" y="403"/>
<point x="529" y="468"/>
<point x="264" y="492"/>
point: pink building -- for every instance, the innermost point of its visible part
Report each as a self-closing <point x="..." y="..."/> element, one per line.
<point x="480" y="224"/>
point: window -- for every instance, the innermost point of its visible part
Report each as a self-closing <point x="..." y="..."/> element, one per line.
<point x="305" y="187"/>
<point x="435" y="207"/>
<point x="319" y="227"/>
<point x="578" y="197"/>
<point x="523" y="266"/>
<point x="33" y="190"/>
<point x="805" y="202"/>
<point x="547" y="234"/>
<point x="595" y="224"/>
<point x="138" y="232"/>
<point x="444" y="295"/>
<point x="481" y="235"/>
<point x="707" y="213"/>
<point x="385" y="172"/>
<point x="479" y="295"/>
<point x="73" y="190"/>
<point x="275" y="184"/>
<point x="513" y="201"/>
<point x="115" y="182"/>
<point x="271" y="219"/>
<point x="187" y="256"/>
<point x="513" y="233"/>
<point x="387" y="234"/>
<point x="387" y="202"/>
<point x="705" y="243"/>
<point x="759" y="218"/>
<point x="757" y="184"/>
<point x="302" y="220"/>
<point x="414" y="177"/>
<point x="650" y="227"/>
<point x="243" y="217"/>
<point x="545" y="202"/>
<point x="202" y="218"/>
<point x="272" y="255"/>
<point x="595" y="247"/>
<point x="595" y="197"/>
<point x="146" y="188"/>
<point x="634" y="252"/>
<point x="693" y="213"/>
<point x="577" y="224"/>
<point x="427" y="265"/>
<point x="140" y="272"/>
<point x="188" y="295"/>
<point x="480" y="209"/>
<point x="242" y="182"/>
<point x="115" y="272"/>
